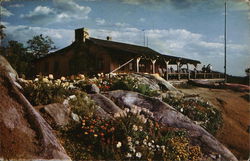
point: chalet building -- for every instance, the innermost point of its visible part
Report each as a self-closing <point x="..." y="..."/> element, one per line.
<point x="89" y="55"/>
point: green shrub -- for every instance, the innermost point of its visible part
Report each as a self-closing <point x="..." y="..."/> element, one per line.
<point x="132" y="84"/>
<point x="43" y="91"/>
<point x="197" y="110"/>
<point x="82" y="105"/>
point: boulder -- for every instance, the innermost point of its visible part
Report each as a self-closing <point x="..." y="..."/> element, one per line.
<point x="6" y="67"/>
<point x="105" y="103"/>
<point x="168" y="116"/>
<point x="24" y="134"/>
<point x="92" y="88"/>
<point x="58" y="113"/>
<point x="154" y="81"/>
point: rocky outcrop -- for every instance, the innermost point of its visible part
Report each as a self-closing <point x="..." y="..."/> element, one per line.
<point x="24" y="134"/>
<point x="105" y="103"/>
<point x="154" y="81"/>
<point x="167" y="115"/>
<point x="56" y="113"/>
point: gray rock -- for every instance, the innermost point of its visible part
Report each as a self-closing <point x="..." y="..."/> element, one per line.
<point x="58" y="112"/>
<point x="5" y="66"/>
<point x="168" y="116"/>
<point x="154" y="81"/>
<point x="105" y="103"/>
<point x="92" y="88"/>
<point x="75" y="117"/>
<point x="101" y="113"/>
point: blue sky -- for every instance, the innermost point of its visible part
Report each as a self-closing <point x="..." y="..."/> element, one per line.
<point x="187" y="28"/>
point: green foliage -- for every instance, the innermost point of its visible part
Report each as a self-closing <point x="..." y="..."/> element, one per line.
<point x="82" y="105"/>
<point x="197" y="110"/>
<point x="2" y="34"/>
<point x="40" y="45"/>
<point x="132" y="84"/>
<point x="19" y="58"/>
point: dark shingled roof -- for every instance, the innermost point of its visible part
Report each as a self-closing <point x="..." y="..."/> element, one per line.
<point x="139" y="51"/>
<point x="134" y="50"/>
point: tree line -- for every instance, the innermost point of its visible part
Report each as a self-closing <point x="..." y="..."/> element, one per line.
<point x="21" y="56"/>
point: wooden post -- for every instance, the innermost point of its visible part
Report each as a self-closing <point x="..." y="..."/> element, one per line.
<point x="188" y="71"/>
<point x="137" y="64"/>
<point x="153" y="63"/>
<point x="166" y="69"/>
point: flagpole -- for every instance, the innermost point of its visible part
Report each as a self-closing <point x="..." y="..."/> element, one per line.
<point x="225" y="43"/>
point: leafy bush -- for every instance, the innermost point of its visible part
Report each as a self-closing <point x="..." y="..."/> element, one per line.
<point x="197" y="110"/>
<point x="130" y="136"/>
<point x="82" y="105"/>
<point x="132" y="84"/>
<point x="43" y="90"/>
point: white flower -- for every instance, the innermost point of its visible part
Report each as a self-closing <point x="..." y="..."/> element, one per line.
<point x="138" y="154"/>
<point x="149" y="144"/>
<point x="51" y="76"/>
<point x="181" y="109"/>
<point x="140" y="128"/>
<point x="135" y="128"/>
<point x="117" y="115"/>
<point x="36" y="80"/>
<point x="72" y="97"/>
<point x="128" y="155"/>
<point x="119" y="144"/>
<point x="63" y="78"/>
<point x="145" y="142"/>
<point x="81" y="76"/>
<point x="126" y="110"/>
<point x="129" y="139"/>
<point x="45" y="80"/>
<point x="137" y="142"/>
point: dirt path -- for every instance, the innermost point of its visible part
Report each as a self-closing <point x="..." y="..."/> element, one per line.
<point x="236" y="114"/>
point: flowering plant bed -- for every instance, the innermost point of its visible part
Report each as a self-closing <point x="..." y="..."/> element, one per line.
<point x="198" y="110"/>
<point x="129" y="136"/>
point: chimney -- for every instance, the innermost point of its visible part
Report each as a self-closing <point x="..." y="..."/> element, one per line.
<point x="109" y="38"/>
<point x="81" y="34"/>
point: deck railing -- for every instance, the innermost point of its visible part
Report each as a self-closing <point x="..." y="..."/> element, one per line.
<point x="193" y="75"/>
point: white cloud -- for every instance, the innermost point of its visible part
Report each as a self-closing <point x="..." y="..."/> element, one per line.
<point x="17" y="5"/>
<point x="63" y="10"/>
<point x="70" y="7"/>
<point x="120" y="24"/>
<point x="21" y="33"/>
<point x="5" y="12"/>
<point x="142" y="19"/>
<point x="100" y="21"/>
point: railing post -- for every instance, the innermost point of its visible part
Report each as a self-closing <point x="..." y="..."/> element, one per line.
<point x="188" y="75"/>
<point x="178" y="70"/>
<point x="166" y="62"/>
<point x="153" y="63"/>
<point x="137" y="64"/>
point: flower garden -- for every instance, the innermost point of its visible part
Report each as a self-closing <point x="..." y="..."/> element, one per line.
<point x="131" y="134"/>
